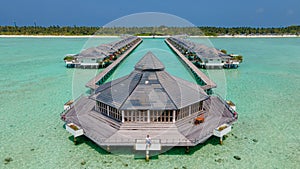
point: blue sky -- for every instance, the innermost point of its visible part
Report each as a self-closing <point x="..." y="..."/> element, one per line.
<point x="228" y="13"/>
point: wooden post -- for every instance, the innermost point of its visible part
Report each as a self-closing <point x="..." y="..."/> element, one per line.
<point x="74" y="140"/>
<point x="107" y="109"/>
<point x="221" y="140"/>
<point x="123" y="120"/>
<point x="174" y="116"/>
<point x="187" y="150"/>
<point x="148" y="116"/>
<point x="147" y="153"/>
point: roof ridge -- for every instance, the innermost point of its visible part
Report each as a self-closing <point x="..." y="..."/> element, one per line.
<point x="113" y="84"/>
<point x="151" y="58"/>
<point x="149" y="62"/>
<point x="199" y="87"/>
<point x="120" y="107"/>
<point x="161" y="84"/>
<point x="174" y="78"/>
<point x="165" y="88"/>
<point x="186" y="81"/>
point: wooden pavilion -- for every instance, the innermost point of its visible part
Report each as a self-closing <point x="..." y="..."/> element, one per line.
<point x="149" y="101"/>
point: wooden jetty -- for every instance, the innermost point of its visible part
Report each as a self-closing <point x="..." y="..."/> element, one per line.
<point x="100" y="56"/>
<point x="102" y="76"/>
<point x="201" y="78"/>
<point x="204" y="56"/>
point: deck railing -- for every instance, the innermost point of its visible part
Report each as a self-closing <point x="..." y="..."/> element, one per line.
<point x="64" y="112"/>
<point x="132" y="141"/>
<point x="224" y="102"/>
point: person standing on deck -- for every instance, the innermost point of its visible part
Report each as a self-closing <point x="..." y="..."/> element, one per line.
<point x="148" y="141"/>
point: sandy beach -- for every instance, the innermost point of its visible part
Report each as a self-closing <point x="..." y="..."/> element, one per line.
<point x="255" y="36"/>
<point x="55" y="36"/>
<point x="97" y="36"/>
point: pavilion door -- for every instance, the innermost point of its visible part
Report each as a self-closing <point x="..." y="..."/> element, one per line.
<point x="142" y="116"/>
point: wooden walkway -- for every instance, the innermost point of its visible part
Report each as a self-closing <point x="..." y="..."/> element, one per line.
<point x="102" y="76"/>
<point x="201" y="78"/>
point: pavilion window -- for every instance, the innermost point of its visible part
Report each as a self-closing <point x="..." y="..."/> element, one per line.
<point x="195" y="107"/>
<point x="154" y="116"/>
<point x="137" y="116"/>
<point x="133" y="115"/>
<point x="171" y="115"/>
<point x="178" y="115"/>
<point x="126" y="116"/>
<point x="141" y="116"/>
<point x="163" y="116"/>
<point x="145" y="115"/>
<point x="168" y="116"/>
<point x="181" y="113"/>
<point x="102" y="108"/>
<point x="130" y="113"/>
<point x="200" y="106"/>
<point x="114" y="113"/>
<point x="184" y="112"/>
<point x="157" y="113"/>
<point x="118" y="115"/>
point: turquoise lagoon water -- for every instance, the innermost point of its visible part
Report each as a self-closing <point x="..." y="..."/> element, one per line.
<point x="34" y="85"/>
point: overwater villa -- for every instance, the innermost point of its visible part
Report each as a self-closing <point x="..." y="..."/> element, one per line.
<point x="102" y="55"/>
<point x="149" y="101"/>
<point x="202" y="55"/>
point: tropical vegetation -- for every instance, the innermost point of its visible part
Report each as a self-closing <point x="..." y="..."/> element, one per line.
<point x="146" y="31"/>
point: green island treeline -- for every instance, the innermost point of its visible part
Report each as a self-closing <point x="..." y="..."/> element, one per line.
<point x="147" y="31"/>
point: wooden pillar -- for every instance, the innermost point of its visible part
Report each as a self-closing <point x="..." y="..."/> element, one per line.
<point x="75" y="141"/>
<point x="123" y="120"/>
<point x="174" y="116"/>
<point x="107" y="109"/>
<point x="147" y="152"/>
<point x="148" y="116"/>
<point x="187" y="150"/>
<point x="97" y="106"/>
<point x="108" y="149"/>
<point x="190" y="110"/>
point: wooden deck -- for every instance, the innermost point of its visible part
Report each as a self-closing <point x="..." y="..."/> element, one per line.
<point x="206" y="83"/>
<point x="102" y="76"/>
<point x="105" y="131"/>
